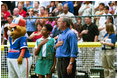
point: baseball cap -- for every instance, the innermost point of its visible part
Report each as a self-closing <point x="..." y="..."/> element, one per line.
<point x="18" y="21"/>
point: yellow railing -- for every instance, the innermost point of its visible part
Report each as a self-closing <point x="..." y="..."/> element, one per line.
<point x="89" y="44"/>
<point x="82" y="44"/>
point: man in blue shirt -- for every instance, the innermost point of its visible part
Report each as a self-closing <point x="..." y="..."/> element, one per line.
<point x="66" y="49"/>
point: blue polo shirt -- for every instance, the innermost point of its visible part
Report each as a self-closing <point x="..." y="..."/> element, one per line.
<point x="16" y="46"/>
<point x="30" y="24"/>
<point x="69" y="47"/>
<point x="113" y="40"/>
<point x="113" y="37"/>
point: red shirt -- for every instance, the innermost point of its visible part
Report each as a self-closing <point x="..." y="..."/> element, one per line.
<point x="36" y="37"/>
<point x="6" y="14"/>
<point x="22" y="13"/>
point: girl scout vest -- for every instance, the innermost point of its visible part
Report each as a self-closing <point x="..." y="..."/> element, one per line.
<point x="49" y="49"/>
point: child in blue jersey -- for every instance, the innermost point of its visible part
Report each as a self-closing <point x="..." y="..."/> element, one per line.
<point x="108" y="55"/>
<point x="44" y="49"/>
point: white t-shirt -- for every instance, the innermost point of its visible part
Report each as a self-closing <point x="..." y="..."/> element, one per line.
<point x="44" y="3"/>
<point x="44" y="47"/>
<point x="69" y="14"/>
<point x="103" y="20"/>
<point x="86" y="11"/>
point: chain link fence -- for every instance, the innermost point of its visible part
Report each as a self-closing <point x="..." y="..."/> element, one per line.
<point x="89" y="59"/>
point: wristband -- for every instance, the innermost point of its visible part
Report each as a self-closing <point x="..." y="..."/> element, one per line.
<point x="71" y="63"/>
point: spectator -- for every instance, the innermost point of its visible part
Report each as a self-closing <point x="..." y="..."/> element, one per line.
<point x="79" y="25"/>
<point x="16" y="13"/>
<point x="103" y="19"/>
<point x="4" y="11"/>
<point x="30" y="23"/>
<point x="66" y="50"/>
<point x="96" y="5"/>
<point x="21" y="2"/>
<point x="55" y="32"/>
<point x="111" y="20"/>
<point x="46" y="4"/>
<point x="8" y="3"/>
<point x="58" y="10"/>
<point x="52" y="6"/>
<point x="9" y="20"/>
<point x="44" y="48"/>
<point x="99" y="12"/>
<point x="108" y="55"/>
<point x="43" y="13"/>
<point x="21" y="11"/>
<point x="86" y="9"/>
<point x="70" y="6"/>
<point x="102" y="22"/>
<point x="72" y="27"/>
<point x="89" y="33"/>
<point x="47" y="11"/>
<point x="57" y="2"/>
<point x="103" y="29"/>
<point x="67" y="13"/>
<point x="37" y="6"/>
<point x="11" y="5"/>
<point x="111" y="8"/>
<point x="28" y="5"/>
<point x="114" y="6"/>
<point x="77" y="5"/>
<point x="51" y="20"/>
<point x="37" y="34"/>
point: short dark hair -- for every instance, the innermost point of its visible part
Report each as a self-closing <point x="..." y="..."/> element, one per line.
<point x="48" y="27"/>
<point x="102" y="4"/>
<point x="79" y="18"/>
<point x="10" y="17"/>
<point x="43" y="7"/>
<point x="106" y="7"/>
<point x="39" y="23"/>
<point x="38" y="2"/>
<point x="88" y="17"/>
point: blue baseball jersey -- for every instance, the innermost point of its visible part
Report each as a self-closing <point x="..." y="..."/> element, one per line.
<point x="16" y="46"/>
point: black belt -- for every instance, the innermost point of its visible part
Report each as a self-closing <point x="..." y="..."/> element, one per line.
<point x="107" y="48"/>
<point x="63" y="58"/>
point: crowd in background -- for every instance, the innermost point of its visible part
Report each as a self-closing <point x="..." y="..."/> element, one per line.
<point x="34" y="9"/>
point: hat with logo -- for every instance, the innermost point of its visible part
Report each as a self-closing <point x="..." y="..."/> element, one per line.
<point x="18" y="21"/>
